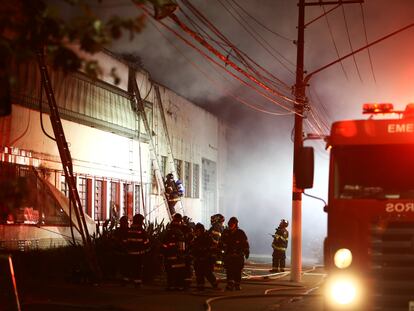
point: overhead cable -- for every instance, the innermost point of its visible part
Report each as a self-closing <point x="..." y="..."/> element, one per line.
<point x="220" y="65"/>
<point x="261" y="24"/>
<point x="226" y="60"/>
<point x="254" y="34"/>
<point x="366" y="41"/>
<point x="350" y="43"/>
<point x="217" y="83"/>
<point x="216" y="31"/>
<point x="243" y="60"/>
<point x="334" y="43"/>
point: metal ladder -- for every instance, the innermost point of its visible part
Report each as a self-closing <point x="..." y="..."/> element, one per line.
<point x="169" y="145"/>
<point x="66" y="160"/>
<point x="140" y="109"/>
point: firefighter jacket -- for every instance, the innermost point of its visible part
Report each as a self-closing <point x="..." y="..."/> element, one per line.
<point x="201" y="247"/>
<point x="215" y="233"/>
<point x="280" y="239"/>
<point x="188" y="234"/>
<point x="137" y="242"/>
<point x="173" y="243"/>
<point x="120" y="238"/>
<point x="235" y="242"/>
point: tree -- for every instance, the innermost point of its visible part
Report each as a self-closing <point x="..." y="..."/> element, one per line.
<point x="27" y="26"/>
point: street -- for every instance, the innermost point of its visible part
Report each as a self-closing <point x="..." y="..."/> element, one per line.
<point x="260" y="291"/>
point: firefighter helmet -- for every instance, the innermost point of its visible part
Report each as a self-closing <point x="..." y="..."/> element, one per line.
<point x="138" y="219"/>
<point x="177" y="217"/>
<point x="123" y="221"/>
<point x="217" y="218"/>
<point x="233" y="220"/>
<point x="199" y="226"/>
<point x="284" y="223"/>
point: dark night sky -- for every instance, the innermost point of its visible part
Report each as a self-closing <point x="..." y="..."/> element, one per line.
<point x="262" y="149"/>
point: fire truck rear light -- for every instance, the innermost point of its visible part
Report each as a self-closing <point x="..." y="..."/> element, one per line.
<point x="373" y="108"/>
<point x="343" y="258"/>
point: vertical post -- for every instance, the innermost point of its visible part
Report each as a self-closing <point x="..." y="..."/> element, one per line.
<point x="296" y="260"/>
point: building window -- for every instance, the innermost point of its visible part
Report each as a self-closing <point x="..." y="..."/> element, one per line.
<point x="128" y="201"/>
<point x="187" y="179"/>
<point x="196" y="181"/>
<point x="64" y="188"/>
<point x="99" y="201"/>
<point x="114" y="200"/>
<point x="178" y="168"/>
<point x="137" y="201"/>
<point x="83" y="192"/>
<point x="23" y="171"/>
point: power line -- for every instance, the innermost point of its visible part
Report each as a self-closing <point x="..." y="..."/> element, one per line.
<point x="253" y="35"/>
<point x="261" y="24"/>
<point x="215" y="30"/>
<point x="246" y="22"/>
<point x="174" y="17"/>
<point x="366" y="42"/>
<point x="333" y="41"/>
<point x="217" y="83"/>
<point x="242" y="57"/>
<point x="227" y="61"/>
<point x="350" y="42"/>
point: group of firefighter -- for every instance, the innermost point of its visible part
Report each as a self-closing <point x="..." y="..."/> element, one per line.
<point x="186" y="246"/>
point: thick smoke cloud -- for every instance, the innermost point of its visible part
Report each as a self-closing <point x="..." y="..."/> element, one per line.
<point x="260" y="176"/>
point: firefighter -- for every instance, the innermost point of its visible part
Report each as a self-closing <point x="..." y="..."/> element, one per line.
<point x="279" y="245"/>
<point x="187" y="227"/>
<point x="171" y="192"/>
<point x="201" y="250"/>
<point x="121" y="236"/>
<point x="215" y="231"/>
<point x="180" y="187"/>
<point x="236" y="248"/>
<point x="137" y="245"/>
<point x="174" y="248"/>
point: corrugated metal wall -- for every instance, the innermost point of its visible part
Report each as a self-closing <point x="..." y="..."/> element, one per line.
<point x="80" y="99"/>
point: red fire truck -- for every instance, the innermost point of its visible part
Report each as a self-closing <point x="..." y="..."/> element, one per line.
<point x="369" y="249"/>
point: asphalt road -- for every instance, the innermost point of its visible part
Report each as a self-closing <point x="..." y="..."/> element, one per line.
<point x="260" y="291"/>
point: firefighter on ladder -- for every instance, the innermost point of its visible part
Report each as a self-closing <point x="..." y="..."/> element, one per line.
<point x="173" y="191"/>
<point x="279" y="245"/>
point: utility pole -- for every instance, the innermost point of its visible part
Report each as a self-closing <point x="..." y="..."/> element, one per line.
<point x="300" y="97"/>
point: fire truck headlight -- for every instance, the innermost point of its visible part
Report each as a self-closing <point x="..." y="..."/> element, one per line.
<point x="343" y="291"/>
<point x="343" y="258"/>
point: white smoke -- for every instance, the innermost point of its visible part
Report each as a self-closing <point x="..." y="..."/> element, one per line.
<point x="260" y="176"/>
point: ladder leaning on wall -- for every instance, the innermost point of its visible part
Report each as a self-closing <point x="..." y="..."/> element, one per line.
<point x="66" y="159"/>
<point x="139" y="107"/>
